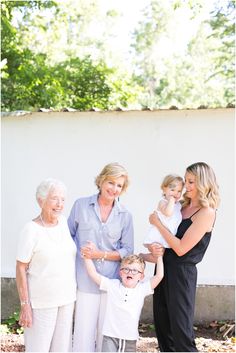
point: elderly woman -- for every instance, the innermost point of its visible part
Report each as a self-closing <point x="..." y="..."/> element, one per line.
<point x="103" y="231"/>
<point x="45" y="274"/>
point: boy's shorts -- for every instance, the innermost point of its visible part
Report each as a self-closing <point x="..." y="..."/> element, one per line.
<point x="112" y="344"/>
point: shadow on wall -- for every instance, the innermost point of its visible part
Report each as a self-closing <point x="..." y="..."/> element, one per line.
<point x="212" y="302"/>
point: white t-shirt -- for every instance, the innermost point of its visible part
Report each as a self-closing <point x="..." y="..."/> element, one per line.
<point x="123" y="308"/>
<point x="172" y="222"/>
<point x="50" y="252"/>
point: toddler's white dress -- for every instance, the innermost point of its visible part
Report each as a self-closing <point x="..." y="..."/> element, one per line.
<point x="172" y="222"/>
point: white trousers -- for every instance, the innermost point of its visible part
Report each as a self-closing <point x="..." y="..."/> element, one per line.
<point x="51" y="330"/>
<point x="89" y="317"/>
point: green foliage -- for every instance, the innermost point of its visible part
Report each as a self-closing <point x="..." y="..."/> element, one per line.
<point x="11" y="325"/>
<point x="30" y="83"/>
<point x="23" y="71"/>
<point x="152" y="327"/>
<point x="56" y="54"/>
<point x="203" y="73"/>
<point x="222" y="23"/>
<point x="31" y="80"/>
<point x="83" y="83"/>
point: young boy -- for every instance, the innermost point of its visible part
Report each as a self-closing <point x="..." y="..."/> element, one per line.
<point x="125" y="300"/>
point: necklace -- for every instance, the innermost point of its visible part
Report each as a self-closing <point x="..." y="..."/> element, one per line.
<point x="44" y="225"/>
<point x="54" y="234"/>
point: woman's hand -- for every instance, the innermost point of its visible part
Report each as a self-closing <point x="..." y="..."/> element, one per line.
<point x="89" y="251"/>
<point x="26" y="319"/>
<point x="156" y="249"/>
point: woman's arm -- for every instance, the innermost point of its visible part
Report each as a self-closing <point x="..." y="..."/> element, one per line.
<point x="202" y="223"/>
<point x="127" y="236"/>
<point x="90" y="251"/>
<point x="148" y="257"/>
<point x="22" y="287"/>
<point x="156" y="250"/>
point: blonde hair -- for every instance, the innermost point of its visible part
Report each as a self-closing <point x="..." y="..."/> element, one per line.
<point x="112" y="171"/>
<point x="170" y="179"/>
<point x="206" y="184"/>
<point x="130" y="259"/>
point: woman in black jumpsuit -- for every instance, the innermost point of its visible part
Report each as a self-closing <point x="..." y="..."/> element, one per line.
<point x="174" y="298"/>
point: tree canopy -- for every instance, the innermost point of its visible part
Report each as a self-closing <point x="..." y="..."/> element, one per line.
<point x="59" y="54"/>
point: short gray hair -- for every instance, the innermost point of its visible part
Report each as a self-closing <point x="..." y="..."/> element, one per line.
<point x="48" y="185"/>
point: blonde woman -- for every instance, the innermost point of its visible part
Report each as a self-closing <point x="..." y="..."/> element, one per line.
<point x="174" y="299"/>
<point x="45" y="274"/>
<point x="103" y="231"/>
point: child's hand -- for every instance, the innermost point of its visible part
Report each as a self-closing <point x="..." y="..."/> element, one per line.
<point x="171" y="198"/>
<point x="156" y="249"/>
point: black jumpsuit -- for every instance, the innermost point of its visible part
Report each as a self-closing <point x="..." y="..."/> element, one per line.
<point x="174" y="298"/>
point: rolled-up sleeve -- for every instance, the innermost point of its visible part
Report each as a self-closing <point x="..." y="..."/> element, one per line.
<point x="72" y="221"/>
<point x="116" y="234"/>
<point x="127" y="237"/>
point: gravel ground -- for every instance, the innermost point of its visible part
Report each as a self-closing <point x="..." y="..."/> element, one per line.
<point x="213" y="337"/>
<point x="210" y="337"/>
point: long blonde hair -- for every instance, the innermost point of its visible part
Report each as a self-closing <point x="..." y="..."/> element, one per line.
<point x="206" y="183"/>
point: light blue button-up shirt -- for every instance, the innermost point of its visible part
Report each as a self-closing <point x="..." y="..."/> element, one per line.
<point x="116" y="234"/>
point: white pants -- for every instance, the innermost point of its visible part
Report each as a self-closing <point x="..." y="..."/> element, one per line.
<point x="89" y="317"/>
<point x="51" y="330"/>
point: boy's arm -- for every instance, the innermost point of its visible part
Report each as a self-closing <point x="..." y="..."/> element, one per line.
<point x="167" y="208"/>
<point x="96" y="277"/>
<point x="155" y="280"/>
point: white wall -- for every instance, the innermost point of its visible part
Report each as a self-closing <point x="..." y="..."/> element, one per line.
<point x="74" y="147"/>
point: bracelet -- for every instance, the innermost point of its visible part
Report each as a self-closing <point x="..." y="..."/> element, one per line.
<point x="104" y="256"/>
<point x="24" y="302"/>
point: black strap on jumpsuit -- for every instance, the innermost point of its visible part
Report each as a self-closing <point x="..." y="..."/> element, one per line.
<point x="174" y="297"/>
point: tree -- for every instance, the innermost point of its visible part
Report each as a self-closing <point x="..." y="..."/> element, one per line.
<point x="20" y="66"/>
<point x="193" y="76"/>
<point x="57" y="54"/>
<point x="54" y="75"/>
<point x="222" y="23"/>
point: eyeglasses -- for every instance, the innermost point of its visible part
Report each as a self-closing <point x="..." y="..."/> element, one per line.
<point x="127" y="270"/>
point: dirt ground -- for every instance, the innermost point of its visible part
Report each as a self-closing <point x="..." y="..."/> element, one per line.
<point x="211" y="337"/>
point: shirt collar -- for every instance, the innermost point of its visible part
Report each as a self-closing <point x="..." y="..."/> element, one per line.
<point x="118" y="208"/>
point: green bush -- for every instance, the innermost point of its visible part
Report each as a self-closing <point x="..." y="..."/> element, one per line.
<point x="11" y="325"/>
